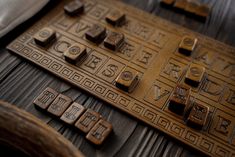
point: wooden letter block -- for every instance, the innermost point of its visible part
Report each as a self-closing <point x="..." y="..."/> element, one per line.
<point x="99" y="132"/>
<point x="74" y="8"/>
<point x="202" y="12"/>
<point x="46" y="98"/>
<point x="191" y="7"/>
<point x="187" y="45"/>
<point x="87" y="120"/>
<point x="45" y="36"/>
<point x="96" y="33"/>
<point x="194" y="75"/>
<point x="75" y="53"/>
<point x="198" y="116"/>
<point x="127" y="80"/>
<point x="179" y="99"/>
<point x="72" y="113"/>
<point x="179" y="5"/>
<point x="59" y="105"/>
<point x="114" y="40"/>
<point x="115" y="18"/>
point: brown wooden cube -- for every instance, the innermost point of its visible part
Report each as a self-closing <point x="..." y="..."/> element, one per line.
<point x="99" y="132"/>
<point x="198" y="116"/>
<point x="191" y="7"/>
<point x="179" y="99"/>
<point x="179" y="5"/>
<point x="74" y="8"/>
<point x="46" y="98"/>
<point x="44" y="36"/>
<point x="87" y="120"/>
<point x="74" y="111"/>
<point x="187" y="45"/>
<point x="115" y="18"/>
<point x="202" y="12"/>
<point x="59" y="105"/>
<point x="96" y="33"/>
<point x="194" y="74"/>
<point x="113" y="40"/>
<point x="75" y="53"/>
<point x="127" y="80"/>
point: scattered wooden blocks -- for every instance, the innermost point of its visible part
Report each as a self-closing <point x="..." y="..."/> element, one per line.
<point x="192" y="8"/>
<point x="72" y="113"/>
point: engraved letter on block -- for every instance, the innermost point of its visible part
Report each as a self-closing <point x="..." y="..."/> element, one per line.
<point x="72" y="113"/>
<point x="45" y="98"/>
<point x="45" y="36"/>
<point x="99" y="132"/>
<point x="59" y="105"/>
<point x="87" y="120"/>
<point x="198" y="116"/>
<point x="194" y="75"/>
<point x="187" y="45"/>
<point x="179" y="99"/>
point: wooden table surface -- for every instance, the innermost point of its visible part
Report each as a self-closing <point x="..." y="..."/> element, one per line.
<point x="21" y="81"/>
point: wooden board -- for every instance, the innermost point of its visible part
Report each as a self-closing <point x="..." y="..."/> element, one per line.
<point x="144" y="34"/>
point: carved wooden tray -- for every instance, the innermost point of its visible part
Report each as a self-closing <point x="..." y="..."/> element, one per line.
<point x="145" y="34"/>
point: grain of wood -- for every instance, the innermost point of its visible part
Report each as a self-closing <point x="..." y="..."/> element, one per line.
<point x="31" y="136"/>
<point x="21" y="82"/>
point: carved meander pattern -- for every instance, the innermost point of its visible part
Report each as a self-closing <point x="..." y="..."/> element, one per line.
<point x="145" y="47"/>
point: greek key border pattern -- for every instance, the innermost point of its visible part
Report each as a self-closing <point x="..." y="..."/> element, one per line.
<point x="154" y="118"/>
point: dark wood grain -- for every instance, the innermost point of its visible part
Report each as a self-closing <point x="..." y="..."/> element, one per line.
<point x="32" y="136"/>
<point x="21" y="82"/>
